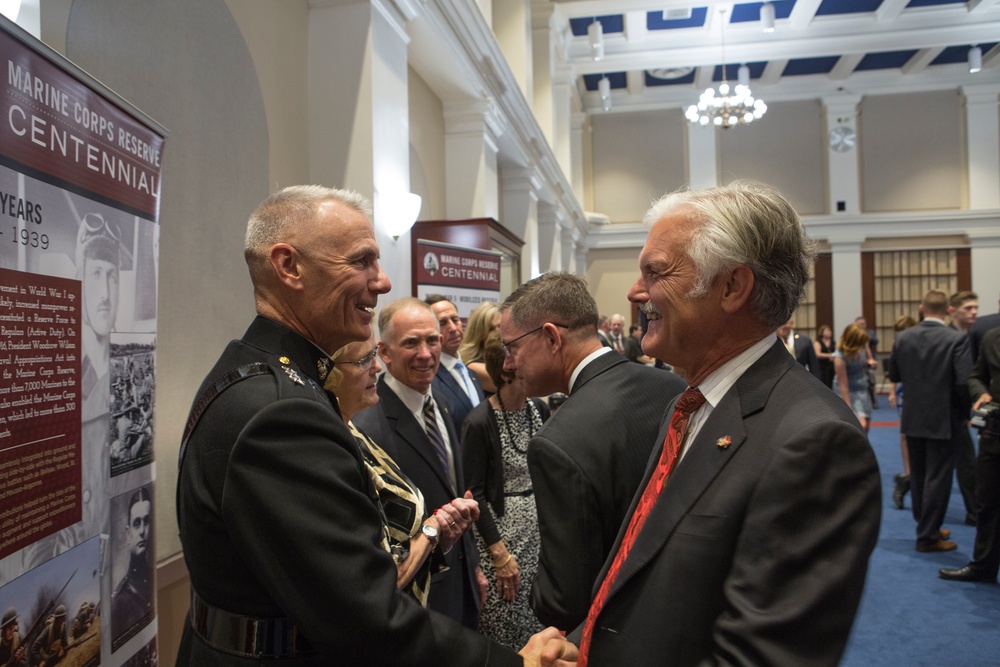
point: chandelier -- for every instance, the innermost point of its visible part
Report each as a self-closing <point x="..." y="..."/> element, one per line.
<point x="727" y="106"/>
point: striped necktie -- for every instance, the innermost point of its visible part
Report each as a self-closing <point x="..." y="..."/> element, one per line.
<point x="434" y="435"/>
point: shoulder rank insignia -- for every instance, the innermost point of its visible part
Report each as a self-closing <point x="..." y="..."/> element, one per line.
<point x="724" y="442"/>
<point x="292" y="374"/>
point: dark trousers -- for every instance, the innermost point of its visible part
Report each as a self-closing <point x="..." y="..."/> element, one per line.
<point x="932" y="463"/>
<point x="986" y="555"/>
<point x="965" y="467"/>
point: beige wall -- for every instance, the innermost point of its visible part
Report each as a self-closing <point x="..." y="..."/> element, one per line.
<point x="427" y="148"/>
<point x="637" y="157"/>
<point x="610" y="274"/>
<point x="912" y="152"/>
<point x="786" y="150"/>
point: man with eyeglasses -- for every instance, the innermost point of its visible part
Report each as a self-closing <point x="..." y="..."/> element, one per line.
<point x="413" y="424"/>
<point x="277" y="514"/>
<point x="588" y="458"/>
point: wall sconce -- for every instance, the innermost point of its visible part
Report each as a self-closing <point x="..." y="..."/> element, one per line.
<point x="595" y="31"/>
<point x="767" y="17"/>
<point x="975" y="59"/>
<point x="397" y="212"/>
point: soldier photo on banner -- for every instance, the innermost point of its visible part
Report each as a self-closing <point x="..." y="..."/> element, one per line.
<point x="133" y="383"/>
<point x="132" y="565"/>
<point x="52" y="613"/>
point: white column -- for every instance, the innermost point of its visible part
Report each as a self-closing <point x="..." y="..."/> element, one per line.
<point x="985" y="259"/>
<point x="512" y="27"/>
<point x="579" y="131"/>
<point x="581" y="257"/>
<point x="471" y="182"/>
<point x="843" y="172"/>
<point x="358" y="85"/>
<point x="570" y="241"/>
<point x="520" y="215"/>
<point x="982" y="121"/>
<point x="703" y="169"/>
<point x="550" y="221"/>
<point x="543" y="57"/>
<point x="562" y="118"/>
<point x="846" y="269"/>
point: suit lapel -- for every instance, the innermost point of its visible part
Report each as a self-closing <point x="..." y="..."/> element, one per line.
<point x="409" y="432"/>
<point x="704" y="460"/>
<point x="453" y="387"/>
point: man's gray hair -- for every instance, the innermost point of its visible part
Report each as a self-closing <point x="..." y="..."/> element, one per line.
<point x="386" y="330"/>
<point x="286" y="209"/>
<point x="556" y="297"/>
<point x="746" y="223"/>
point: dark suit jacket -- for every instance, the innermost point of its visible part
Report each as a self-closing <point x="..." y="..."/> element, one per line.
<point x="985" y="377"/>
<point x="277" y="519"/>
<point x="446" y="385"/>
<point x="933" y="363"/>
<point x="805" y="354"/>
<point x="755" y="553"/>
<point x="979" y="329"/>
<point x="585" y="465"/>
<point x="390" y="423"/>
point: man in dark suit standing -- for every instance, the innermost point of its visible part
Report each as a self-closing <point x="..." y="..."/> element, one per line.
<point x="799" y="346"/>
<point x="933" y="363"/>
<point x="984" y="386"/>
<point x="278" y="518"/>
<point x="461" y="388"/>
<point x="413" y="425"/>
<point x="963" y="308"/>
<point x="586" y="461"/>
<point x="979" y="329"/>
<point x="753" y="547"/>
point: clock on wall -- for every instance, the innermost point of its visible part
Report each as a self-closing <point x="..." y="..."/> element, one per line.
<point x="842" y="138"/>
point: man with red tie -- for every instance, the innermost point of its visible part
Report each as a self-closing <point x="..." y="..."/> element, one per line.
<point x="748" y="540"/>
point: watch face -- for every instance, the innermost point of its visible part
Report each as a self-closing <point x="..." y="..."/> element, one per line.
<point x="430" y="531"/>
<point x="842" y="138"/>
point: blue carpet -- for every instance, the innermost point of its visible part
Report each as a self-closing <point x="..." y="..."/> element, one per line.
<point x="909" y="616"/>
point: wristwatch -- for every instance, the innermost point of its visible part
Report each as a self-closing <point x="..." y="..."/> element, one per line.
<point x="431" y="533"/>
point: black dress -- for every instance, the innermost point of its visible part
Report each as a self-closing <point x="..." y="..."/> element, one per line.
<point x="826" y="365"/>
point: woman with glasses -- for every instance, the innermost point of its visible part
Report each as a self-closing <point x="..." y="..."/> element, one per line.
<point x="495" y="440"/>
<point x="412" y="538"/>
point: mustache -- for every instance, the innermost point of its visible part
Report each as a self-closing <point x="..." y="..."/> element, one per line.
<point x="649" y="309"/>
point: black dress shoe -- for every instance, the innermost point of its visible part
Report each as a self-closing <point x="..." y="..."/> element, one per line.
<point x="901" y="489"/>
<point x="966" y="573"/>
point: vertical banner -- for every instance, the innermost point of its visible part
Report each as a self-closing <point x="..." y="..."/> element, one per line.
<point x="79" y="233"/>
<point x="464" y="276"/>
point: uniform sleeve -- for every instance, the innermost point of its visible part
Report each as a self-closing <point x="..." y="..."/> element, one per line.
<point x="295" y="503"/>
<point x="800" y="562"/>
<point x="568" y="515"/>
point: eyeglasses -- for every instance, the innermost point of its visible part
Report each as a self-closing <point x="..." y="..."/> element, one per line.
<point x="505" y="346"/>
<point x="365" y="362"/>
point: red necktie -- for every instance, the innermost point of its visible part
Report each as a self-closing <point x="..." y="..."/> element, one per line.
<point x="689" y="401"/>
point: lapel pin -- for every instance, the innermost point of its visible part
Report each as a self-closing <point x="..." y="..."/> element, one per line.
<point x="724" y="442"/>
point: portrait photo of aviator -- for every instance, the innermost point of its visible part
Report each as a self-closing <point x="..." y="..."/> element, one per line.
<point x="133" y="597"/>
<point x="133" y="384"/>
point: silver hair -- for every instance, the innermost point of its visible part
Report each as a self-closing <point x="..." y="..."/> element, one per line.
<point x="752" y="224"/>
<point x="286" y="209"/>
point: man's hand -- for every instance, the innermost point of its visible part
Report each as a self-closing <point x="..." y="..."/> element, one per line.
<point x="549" y="648"/>
<point x="985" y="398"/>
<point x="454" y="519"/>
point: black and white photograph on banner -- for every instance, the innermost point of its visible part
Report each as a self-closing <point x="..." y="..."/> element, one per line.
<point x="132" y="564"/>
<point x="52" y="614"/>
<point x="133" y="385"/>
<point x="144" y="657"/>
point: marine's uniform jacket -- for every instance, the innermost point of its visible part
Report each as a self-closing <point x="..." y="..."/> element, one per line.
<point x="277" y="520"/>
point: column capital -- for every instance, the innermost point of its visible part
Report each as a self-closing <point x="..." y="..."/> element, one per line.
<point x="841" y="104"/>
<point x="474" y="116"/>
<point x="979" y="93"/>
<point x="846" y="245"/>
<point x="522" y="180"/>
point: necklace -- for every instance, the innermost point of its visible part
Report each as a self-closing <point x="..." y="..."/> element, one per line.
<point x="529" y="414"/>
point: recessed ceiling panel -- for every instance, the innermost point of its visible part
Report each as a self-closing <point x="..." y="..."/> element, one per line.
<point x="885" y="60"/>
<point x="750" y="11"/>
<point x="617" y="80"/>
<point x="732" y="71"/>
<point x="829" y="7"/>
<point x="801" y="66"/>
<point x="656" y="20"/>
<point x="932" y="3"/>
<point x="959" y="54"/>
<point x="610" y="24"/>
<point x="687" y="79"/>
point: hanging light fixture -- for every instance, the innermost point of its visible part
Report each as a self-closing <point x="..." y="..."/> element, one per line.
<point x="767" y="17"/>
<point x="604" y="90"/>
<point x="595" y="32"/>
<point x="975" y="59"/>
<point x="725" y="107"/>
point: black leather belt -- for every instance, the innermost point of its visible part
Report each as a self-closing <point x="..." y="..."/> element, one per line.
<point x="247" y="636"/>
<point x="521" y="494"/>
